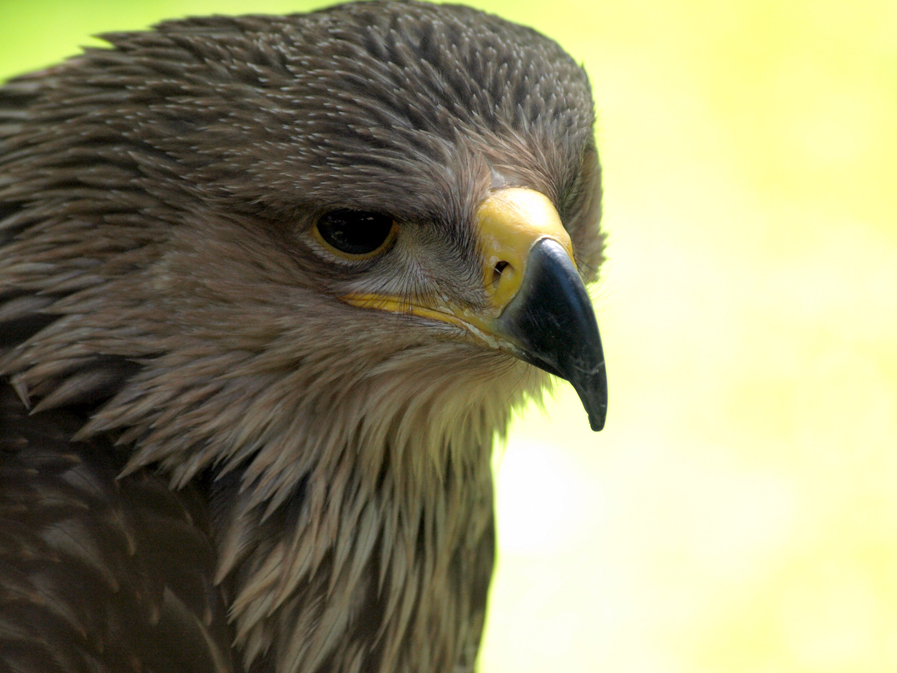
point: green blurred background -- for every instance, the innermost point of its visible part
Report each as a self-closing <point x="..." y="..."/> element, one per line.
<point x="739" y="513"/>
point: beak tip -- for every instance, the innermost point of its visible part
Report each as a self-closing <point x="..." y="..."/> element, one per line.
<point x="594" y="399"/>
<point x="596" y="421"/>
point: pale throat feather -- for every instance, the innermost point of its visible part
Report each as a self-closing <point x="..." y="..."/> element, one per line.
<point x="395" y="495"/>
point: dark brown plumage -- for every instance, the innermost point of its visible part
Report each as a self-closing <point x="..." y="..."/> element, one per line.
<point x="269" y="286"/>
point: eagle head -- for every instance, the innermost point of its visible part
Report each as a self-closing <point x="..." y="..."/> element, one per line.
<point x="312" y="262"/>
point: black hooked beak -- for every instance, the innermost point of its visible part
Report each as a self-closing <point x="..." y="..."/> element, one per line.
<point x="552" y="323"/>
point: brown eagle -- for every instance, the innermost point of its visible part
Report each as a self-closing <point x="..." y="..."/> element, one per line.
<point x="269" y="288"/>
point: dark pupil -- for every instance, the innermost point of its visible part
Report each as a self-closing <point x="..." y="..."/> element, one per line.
<point x="355" y="232"/>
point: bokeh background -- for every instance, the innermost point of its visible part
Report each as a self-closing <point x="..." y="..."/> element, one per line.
<point x="739" y="512"/>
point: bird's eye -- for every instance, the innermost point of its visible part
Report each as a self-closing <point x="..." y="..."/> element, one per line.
<point x="356" y="234"/>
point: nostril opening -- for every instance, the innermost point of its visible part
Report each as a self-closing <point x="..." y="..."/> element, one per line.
<point x="497" y="271"/>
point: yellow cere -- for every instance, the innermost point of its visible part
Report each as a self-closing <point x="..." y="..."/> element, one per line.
<point x="509" y="222"/>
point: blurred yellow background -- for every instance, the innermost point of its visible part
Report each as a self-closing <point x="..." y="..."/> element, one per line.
<point x="739" y="513"/>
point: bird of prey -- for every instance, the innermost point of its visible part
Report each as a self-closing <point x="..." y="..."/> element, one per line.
<point x="269" y="289"/>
